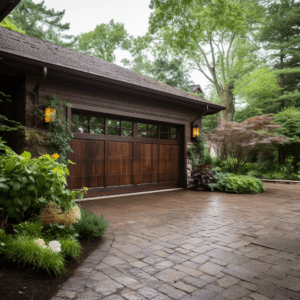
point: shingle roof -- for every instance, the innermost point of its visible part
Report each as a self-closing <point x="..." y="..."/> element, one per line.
<point x="33" y="49"/>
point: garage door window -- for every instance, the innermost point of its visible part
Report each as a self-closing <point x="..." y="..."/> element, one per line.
<point x="147" y="130"/>
<point x="117" y="127"/>
<point x="87" y="124"/>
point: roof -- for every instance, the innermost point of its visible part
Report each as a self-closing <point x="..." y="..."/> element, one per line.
<point x="6" y="6"/>
<point x="57" y="57"/>
<point x="196" y="89"/>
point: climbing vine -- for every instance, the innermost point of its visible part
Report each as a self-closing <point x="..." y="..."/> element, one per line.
<point x="198" y="153"/>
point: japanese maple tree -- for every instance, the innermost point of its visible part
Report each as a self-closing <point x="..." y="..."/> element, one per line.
<point x="236" y="143"/>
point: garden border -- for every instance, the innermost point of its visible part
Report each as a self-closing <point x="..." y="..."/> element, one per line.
<point x="280" y="181"/>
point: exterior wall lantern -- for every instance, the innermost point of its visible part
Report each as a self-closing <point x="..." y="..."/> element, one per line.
<point x="196" y="131"/>
<point x="49" y="114"/>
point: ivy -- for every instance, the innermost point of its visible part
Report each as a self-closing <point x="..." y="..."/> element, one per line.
<point x="197" y="152"/>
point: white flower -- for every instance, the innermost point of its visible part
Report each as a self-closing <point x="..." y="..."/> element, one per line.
<point x="40" y="242"/>
<point x="55" y="246"/>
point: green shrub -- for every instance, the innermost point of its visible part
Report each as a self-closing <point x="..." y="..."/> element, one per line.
<point x="239" y="184"/>
<point x="32" y="229"/>
<point x="71" y="248"/>
<point x="57" y="232"/>
<point x="4" y="240"/>
<point x="90" y="225"/>
<point x="26" y="252"/>
<point x="26" y="182"/>
<point x="208" y="158"/>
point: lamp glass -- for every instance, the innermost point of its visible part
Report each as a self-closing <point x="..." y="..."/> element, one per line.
<point x="196" y="132"/>
<point x="50" y="114"/>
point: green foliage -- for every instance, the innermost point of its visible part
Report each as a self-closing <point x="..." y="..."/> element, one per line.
<point x="290" y="121"/>
<point x="31" y="229"/>
<point x="58" y="232"/>
<point x="5" y="239"/>
<point x="238" y="184"/>
<point x="42" y="23"/>
<point x="59" y="127"/>
<point x="90" y="225"/>
<point x="104" y="40"/>
<point x="70" y="248"/>
<point x="26" y="182"/>
<point x="26" y="252"/>
<point x="196" y="152"/>
<point x="6" y="23"/>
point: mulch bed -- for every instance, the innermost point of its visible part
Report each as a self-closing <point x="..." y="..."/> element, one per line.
<point x="25" y="284"/>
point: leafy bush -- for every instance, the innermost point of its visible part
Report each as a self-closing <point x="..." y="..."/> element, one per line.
<point x="90" y="225"/>
<point x="25" y="182"/>
<point x="70" y="248"/>
<point x="52" y="213"/>
<point x="32" y="229"/>
<point x="57" y="231"/>
<point x="26" y="252"/>
<point x="239" y="184"/>
<point x="4" y="240"/>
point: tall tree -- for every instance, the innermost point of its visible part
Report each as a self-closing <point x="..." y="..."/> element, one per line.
<point x="43" y="23"/>
<point x="104" y="40"/>
<point x="210" y="35"/>
<point x="280" y="34"/>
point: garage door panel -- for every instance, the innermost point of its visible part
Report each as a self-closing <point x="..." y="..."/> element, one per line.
<point x="168" y="163"/>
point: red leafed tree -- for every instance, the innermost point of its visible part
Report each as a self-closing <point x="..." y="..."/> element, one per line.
<point x="236" y="143"/>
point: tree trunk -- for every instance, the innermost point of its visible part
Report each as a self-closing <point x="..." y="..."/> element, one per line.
<point x="4" y="221"/>
<point x="281" y="81"/>
<point x="226" y="98"/>
<point x="282" y="155"/>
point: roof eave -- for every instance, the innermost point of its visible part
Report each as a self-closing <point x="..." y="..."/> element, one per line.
<point x="6" y="7"/>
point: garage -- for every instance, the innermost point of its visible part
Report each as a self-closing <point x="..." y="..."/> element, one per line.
<point x="114" y="155"/>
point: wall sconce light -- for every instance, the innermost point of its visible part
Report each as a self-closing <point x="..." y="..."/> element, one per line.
<point x="49" y="114"/>
<point x="196" y="131"/>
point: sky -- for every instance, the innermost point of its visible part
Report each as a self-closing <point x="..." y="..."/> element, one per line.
<point x="84" y="15"/>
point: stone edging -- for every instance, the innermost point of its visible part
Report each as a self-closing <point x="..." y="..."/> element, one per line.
<point x="280" y="181"/>
<point x="81" y="275"/>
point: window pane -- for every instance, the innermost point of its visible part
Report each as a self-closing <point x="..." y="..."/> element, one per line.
<point x="173" y="136"/>
<point x="96" y="121"/>
<point x="80" y="128"/>
<point x="152" y="134"/>
<point x="173" y="130"/>
<point x="142" y="126"/>
<point x="152" y="127"/>
<point x="142" y="134"/>
<point x="126" y="124"/>
<point x="96" y="129"/>
<point x="80" y="119"/>
<point x="113" y="123"/>
<point x="164" y="128"/>
<point x="164" y="136"/>
<point x="113" y="131"/>
<point x="126" y="132"/>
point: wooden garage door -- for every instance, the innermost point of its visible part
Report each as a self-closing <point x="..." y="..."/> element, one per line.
<point x="117" y="165"/>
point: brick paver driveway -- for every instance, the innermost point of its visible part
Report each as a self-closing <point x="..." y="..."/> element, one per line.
<point x="195" y="245"/>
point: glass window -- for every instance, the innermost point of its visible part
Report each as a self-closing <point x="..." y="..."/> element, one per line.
<point x="173" y="130"/>
<point x="80" y="128"/>
<point x="125" y="124"/>
<point x="173" y="137"/>
<point x="142" y="126"/>
<point x="152" y="127"/>
<point x="80" y="119"/>
<point x="113" y="123"/>
<point x="113" y="131"/>
<point x="96" y="121"/>
<point x="96" y="129"/>
<point x="152" y="134"/>
<point x="142" y="134"/>
<point x="164" y="128"/>
<point x="126" y="132"/>
<point x="164" y="136"/>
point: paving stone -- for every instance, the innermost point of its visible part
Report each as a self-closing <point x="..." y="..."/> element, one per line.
<point x="170" y="275"/>
<point x="195" y="241"/>
<point x="214" y="287"/>
<point x="256" y="296"/>
<point x="291" y="283"/>
<point x="204" y="294"/>
<point x="127" y="281"/>
<point x="227" y="256"/>
<point x="88" y="295"/>
<point x="227" y="281"/>
<point x="194" y="281"/>
<point x="178" y="258"/>
<point x="66" y="294"/>
<point x="113" y="297"/>
<point x="147" y="292"/>
<point x="200" y="259"/>
<point x="150" y="270"/>
<point x="107" y="287"/>
<point x="138" y="264"/>
<point x="235" y="292"/>
<point x="208" y="278"/>
<point x="188" y="270"/>
<point x="131" y="295"/>
<point x="248" y="285"/>
<point x="171" y="291"/>
<point x="166" y="264"/>
<point x="211" y="268"/>
<point x="184" y="287"/>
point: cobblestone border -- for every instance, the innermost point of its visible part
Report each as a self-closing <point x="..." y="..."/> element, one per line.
<point x="76" y="283"/>
<point x="280" y="181"/>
